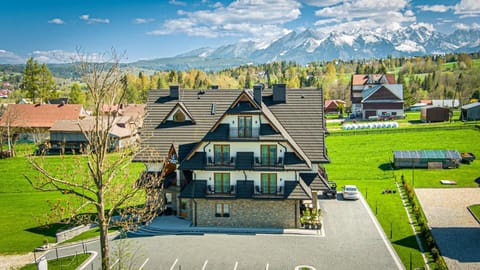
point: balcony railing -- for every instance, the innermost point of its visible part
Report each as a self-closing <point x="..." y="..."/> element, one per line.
<point x="268" y="193"/>
<point x="278" y="162"/>
<point x="251" y="134"/>
<point x="224" y="163"/>
<point x="215" y="193"/>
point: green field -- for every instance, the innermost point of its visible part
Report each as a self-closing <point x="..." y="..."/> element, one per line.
<point x="365" y="160"/>
<point x="23" y="209"/>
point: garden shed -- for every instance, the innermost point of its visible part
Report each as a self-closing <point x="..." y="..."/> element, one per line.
<point x="470" y="112"/>
<point x="427" y="159"/>
<point x="434" y="114"/>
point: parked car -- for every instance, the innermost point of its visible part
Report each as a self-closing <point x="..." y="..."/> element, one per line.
<point x="350" y="192"/>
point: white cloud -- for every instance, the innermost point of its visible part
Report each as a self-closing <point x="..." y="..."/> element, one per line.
<point x="62" y="57"/>
<point x="365" y="14"/>
<point x="326" y="21"/>
<point x="56" y="21"/>
<point x="217" y="5"/>
<point x="255" y="20"/>
<point x="462" y="26"/>
<point x="469" y="8"/>
<point x="177" y="3"/>
<point x="90" y="20"/>
<point x="435" y="8"/>
<point x="142" y="20"/>
<point x="7" y="57"/>
<point x="320" y="3"/>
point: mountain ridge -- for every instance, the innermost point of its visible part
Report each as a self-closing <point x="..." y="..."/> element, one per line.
<point x="310" y="45"/>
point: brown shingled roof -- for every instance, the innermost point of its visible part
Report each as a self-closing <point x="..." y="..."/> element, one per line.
<point x="40" y="115"/>
<point x="301" y="117"/>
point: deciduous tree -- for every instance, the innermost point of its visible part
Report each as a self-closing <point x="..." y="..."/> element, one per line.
<point x="108" y="186"/>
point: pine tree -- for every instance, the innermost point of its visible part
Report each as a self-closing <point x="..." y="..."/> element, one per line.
<point x="30" y="79"/>
<point x="46" y="84"/>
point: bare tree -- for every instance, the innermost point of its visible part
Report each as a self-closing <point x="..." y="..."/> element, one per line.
<point x="108" y="186"/>
<point x="8" y="122"/>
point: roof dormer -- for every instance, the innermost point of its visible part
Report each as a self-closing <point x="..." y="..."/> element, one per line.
<point x="179" y="114"/>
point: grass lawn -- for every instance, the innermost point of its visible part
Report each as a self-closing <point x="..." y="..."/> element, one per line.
<point x="364" y="160"/>
<point x="389" y="212"/>
<point x="475" y="210"/>
<point x="66" y="263"/>
<point x="23" y="209"/>
<point x="88" y="234"/>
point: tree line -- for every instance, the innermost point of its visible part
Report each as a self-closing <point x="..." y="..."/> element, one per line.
<point x="451" y="76"/>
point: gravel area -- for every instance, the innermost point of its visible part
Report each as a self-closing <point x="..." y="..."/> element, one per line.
<point x="8" y="262"/>
<point x="454" y="228"/>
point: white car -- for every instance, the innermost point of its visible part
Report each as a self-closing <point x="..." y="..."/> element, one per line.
<point x="350" y="192"/>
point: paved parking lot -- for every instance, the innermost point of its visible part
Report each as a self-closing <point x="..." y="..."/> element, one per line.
<point x="351" y="241"/>
<point x="456" y="231"/>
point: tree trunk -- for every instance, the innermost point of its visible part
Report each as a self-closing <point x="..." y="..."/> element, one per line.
<point x="103" y="223"/>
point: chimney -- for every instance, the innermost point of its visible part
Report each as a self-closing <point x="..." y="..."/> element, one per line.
<point x="280" y="93"/>
<point x="175" y="91"/>
<point x="257" y="93"/>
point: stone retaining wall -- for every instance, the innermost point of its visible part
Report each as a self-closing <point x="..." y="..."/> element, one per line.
<point x="68" y="234"/>
<point x="249" y="213"/>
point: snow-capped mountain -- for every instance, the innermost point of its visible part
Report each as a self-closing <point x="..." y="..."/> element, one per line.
<point x="311" y="45"/>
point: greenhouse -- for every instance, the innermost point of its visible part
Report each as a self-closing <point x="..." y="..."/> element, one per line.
<point x="427" y="159"/>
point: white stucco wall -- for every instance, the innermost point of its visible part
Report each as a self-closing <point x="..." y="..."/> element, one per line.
<point x="154" y="167"/>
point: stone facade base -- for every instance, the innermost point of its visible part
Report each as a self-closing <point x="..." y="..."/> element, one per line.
<point x="248" y="213"/>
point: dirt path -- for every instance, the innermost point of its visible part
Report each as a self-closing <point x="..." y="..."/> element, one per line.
<point x="8" y="262"/>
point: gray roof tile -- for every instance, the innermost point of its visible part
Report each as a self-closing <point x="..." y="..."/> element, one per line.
<point x="301" y="117"/>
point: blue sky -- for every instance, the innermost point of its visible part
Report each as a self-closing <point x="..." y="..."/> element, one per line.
<point x="52" y="30"/>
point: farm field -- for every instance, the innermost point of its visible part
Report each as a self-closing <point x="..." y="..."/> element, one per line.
<point x="368" y="156"/>
<point x="23" y="209"/>
<point x="364" y="160"/>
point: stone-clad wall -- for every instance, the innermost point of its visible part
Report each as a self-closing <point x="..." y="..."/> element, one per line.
<point x="248" y="213"/>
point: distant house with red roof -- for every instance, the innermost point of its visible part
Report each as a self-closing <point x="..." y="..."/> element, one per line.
<point x="333" y="105"/>
<point x="3" y="93"/>
<point x="70" y="135"/>
<point x="32" y="121"/>
<point x="376" y="95"/>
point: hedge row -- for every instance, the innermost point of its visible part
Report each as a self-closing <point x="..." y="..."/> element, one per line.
<point x="424" y="229"/>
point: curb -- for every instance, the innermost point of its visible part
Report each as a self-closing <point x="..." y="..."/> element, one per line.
<point x="471" y="212"/>
<point x="90" y="260"/>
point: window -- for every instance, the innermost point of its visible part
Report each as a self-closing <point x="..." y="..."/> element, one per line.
<point x="269" y="155"/>
<point x="222" y="154"/>
<point x="179" y="116"/>
<point x="168" y="198"/>
<point x="269" y="183"/>
<point x="222" y="182"/>
<point x="222" y="210"/>
<point x="245" y="126"/>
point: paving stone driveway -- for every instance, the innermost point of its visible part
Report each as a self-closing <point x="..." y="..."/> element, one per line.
<point x="456" y="231"/>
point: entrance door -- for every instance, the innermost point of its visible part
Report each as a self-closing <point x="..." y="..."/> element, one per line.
<point x="183" y="208"/>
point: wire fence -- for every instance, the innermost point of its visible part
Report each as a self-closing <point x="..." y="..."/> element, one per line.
<point x="402" y="130"/>
<point x="64" y="251"/>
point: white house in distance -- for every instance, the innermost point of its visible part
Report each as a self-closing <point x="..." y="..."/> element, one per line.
<point x="376" y="95"/>
<point x="236" y="158"/>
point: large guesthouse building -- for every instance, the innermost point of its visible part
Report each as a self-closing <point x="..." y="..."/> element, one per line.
<point x="236" y="158"/>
